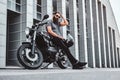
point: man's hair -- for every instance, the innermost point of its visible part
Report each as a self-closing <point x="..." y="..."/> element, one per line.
<point x="56" y="12"/>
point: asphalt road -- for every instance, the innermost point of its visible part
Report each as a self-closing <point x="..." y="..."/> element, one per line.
<point x="61" y="74"/>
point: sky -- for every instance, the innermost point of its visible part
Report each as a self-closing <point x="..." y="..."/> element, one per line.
<point x="116" y="9"/>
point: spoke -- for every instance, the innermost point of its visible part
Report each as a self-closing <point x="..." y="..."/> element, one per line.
<point x="31" y="63"/>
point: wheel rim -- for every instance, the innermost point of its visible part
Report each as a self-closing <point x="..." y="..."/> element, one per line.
<point x="64" y="61"/>
<point x="28" y="59"/>
<point x="29" y="56"/>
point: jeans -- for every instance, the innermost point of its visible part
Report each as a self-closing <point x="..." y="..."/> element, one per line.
<point x="61" y="43"/>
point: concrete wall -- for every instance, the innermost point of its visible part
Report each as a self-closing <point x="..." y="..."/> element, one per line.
<point x="3" y="27"/>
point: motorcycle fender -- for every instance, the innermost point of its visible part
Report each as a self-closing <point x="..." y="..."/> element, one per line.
<point x="26" y="43"/>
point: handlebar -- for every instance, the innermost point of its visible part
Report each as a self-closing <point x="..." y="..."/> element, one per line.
<point x="40" y="24"/>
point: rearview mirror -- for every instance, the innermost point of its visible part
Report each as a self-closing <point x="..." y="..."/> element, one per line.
<point x="45" y="17"/>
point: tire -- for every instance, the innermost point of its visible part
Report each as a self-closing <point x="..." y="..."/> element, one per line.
<point x="62" y="61"/>
<point x="27" y="60"/>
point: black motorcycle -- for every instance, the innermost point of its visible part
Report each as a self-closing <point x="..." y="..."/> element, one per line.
<point x="39" y="48"/>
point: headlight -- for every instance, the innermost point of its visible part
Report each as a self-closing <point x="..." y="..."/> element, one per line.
<point x="27" y="31"/>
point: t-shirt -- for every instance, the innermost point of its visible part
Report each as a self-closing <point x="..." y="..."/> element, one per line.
<point x="55" y="27"/>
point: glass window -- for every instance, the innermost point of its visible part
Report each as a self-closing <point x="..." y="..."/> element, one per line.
<point x="14" y="5"/>
<point x="38" y="15"/>
<point x="18" y="7"/>
<point x="39" y="2"/>
<point x="38" y="8"/>
<point x="54" y="5"/>
<point x="18" y="1"/>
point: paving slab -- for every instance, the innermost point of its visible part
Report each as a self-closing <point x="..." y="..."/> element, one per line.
<point x="61" y="74"/>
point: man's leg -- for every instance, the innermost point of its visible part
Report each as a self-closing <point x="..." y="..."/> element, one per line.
<point x="76" y="64"/>
<point x="61" y="44"/>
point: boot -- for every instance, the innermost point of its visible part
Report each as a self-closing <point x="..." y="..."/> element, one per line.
<point x="79" y="65"/>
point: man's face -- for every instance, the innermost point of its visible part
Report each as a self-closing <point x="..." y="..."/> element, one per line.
<point x="56" y="16"/>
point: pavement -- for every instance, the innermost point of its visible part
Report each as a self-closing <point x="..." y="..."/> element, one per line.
<point x="60" y="74"/>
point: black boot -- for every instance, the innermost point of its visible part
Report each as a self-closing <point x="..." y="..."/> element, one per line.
<point x="79" y="65"/>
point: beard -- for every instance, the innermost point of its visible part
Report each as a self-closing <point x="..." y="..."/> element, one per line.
<point x="55" y="20"/>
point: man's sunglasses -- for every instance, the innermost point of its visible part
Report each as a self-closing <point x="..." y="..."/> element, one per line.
<point x="57" y="16"/>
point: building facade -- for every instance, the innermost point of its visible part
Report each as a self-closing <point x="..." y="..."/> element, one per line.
<point x="92" y="24"/>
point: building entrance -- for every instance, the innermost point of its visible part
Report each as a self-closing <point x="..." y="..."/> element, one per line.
<point x="13" y="37"/>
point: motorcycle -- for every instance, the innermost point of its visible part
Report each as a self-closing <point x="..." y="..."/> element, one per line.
<point x="39" y="48"/>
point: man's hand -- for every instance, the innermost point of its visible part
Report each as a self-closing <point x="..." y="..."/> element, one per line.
<point x="64" y="22"/>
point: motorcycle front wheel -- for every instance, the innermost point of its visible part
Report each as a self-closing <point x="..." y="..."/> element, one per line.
<point x="28" y="60"/>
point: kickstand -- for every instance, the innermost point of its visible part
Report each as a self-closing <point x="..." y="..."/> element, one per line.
<point x="46" y="66"/>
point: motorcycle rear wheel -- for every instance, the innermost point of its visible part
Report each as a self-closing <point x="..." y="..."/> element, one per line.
<point x="27" y="60"/>
<point x="62" y="61"/>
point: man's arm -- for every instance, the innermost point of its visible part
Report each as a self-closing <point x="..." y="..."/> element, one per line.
<point x="49" y="29"/>
<point x="64" y="22"/>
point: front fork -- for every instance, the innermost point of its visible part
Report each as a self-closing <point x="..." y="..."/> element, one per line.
<point x="33" y="43"/>
<point x="33" y="47"/>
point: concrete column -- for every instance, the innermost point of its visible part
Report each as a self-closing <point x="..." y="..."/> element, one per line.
<point x="73" y="26"/>
<point x="26" y="17"/>
<point x="61" y="7"/>
<point x="90" y="34"/>
<point x="106" y="37"/>
<point x="113" y="53"/>
<point x="3" y="31"/>
<point x="29" y="13"/>
<point x="111" y="48"/>
<point x="115" y="48"/>
<point x="119" y="56"/>
<point x="35" y="9"/>
<point x="97" y="46"/>
<point x="110" y="43"/>
<point x="103" y="39"/>
<point x="47" y="8"/>
<point x="83" y="39"/>
<point x="109" y="51"/>
<point x="118" y="52"/>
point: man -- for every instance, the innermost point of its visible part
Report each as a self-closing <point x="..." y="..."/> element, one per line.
<point x="53" y="29"/>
